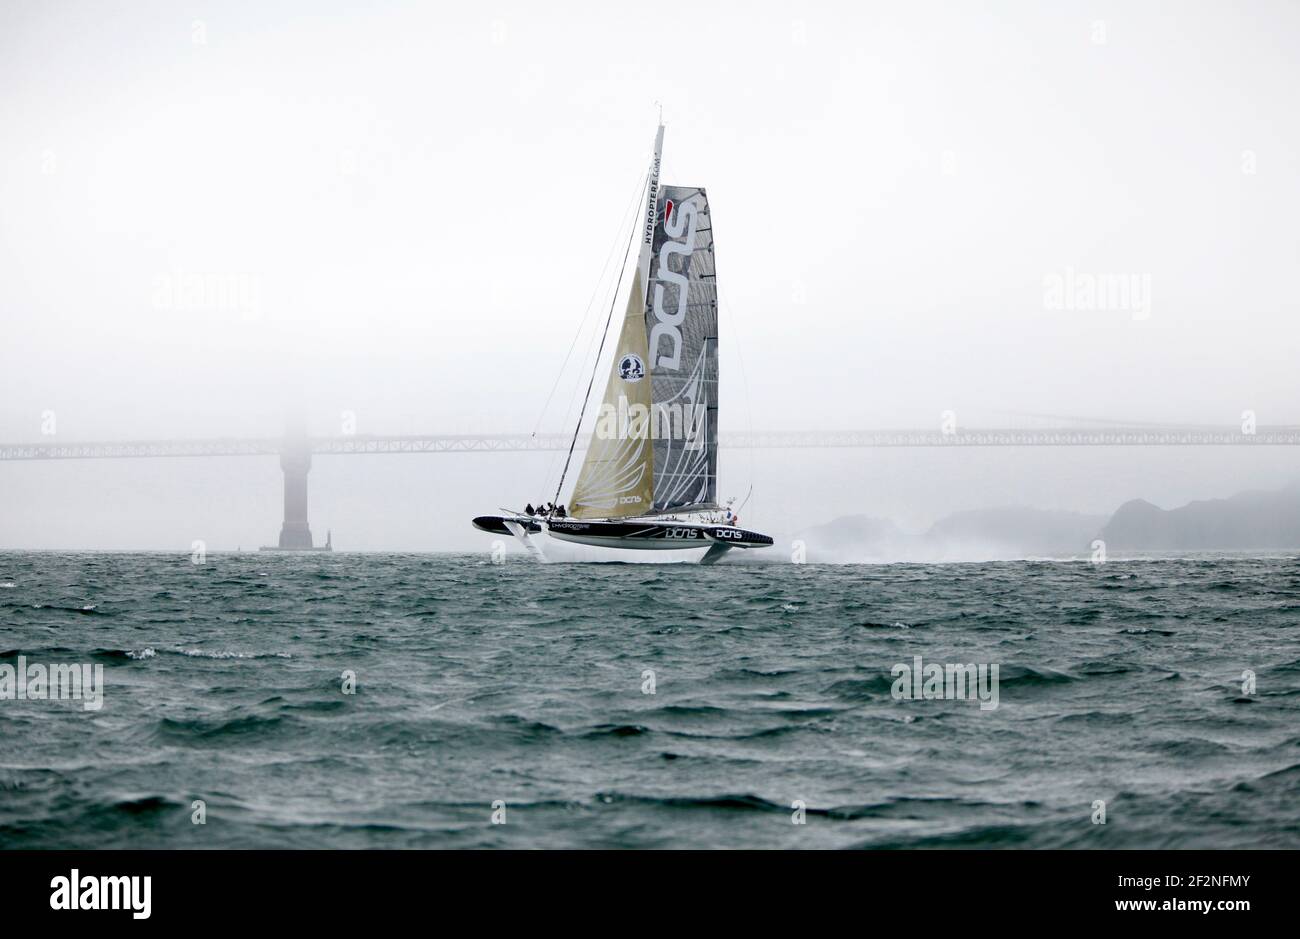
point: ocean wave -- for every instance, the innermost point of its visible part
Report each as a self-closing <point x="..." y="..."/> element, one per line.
<point x="753" y="674"/>
<point x="861" y="689"/>
<point x="1191" y="748"/>
<point x="1023" y="675"/>
<point x="738" y="802"/>
<point x="691" y="710"/>
<point x="1106" y="667"/>
<point x="982" y="836"/>
<point x="217" y="729"/>
<point x="88" y="609"/>
<point x="617" y="730"/>
<point x="145" y="805"/>
<point x="524" y="726"/>
<point x="1096" y="717"/>
<point x="231" y="654"/>
<point x="149" y="652"/>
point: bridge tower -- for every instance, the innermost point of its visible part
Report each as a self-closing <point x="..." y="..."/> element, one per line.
<point x="295" y="461"/>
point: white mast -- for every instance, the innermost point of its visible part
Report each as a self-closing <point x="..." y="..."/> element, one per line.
<point x="651" y="206"/>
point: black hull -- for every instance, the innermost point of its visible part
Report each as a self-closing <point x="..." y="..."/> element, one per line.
<point x="634" y="534"/>
<point x="496" y="525"/>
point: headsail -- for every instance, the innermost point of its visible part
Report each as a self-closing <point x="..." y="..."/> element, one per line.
<point x="616" y="477"/>
<point x="681" y="323"/>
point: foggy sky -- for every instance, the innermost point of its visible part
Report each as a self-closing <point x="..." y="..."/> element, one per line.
<point x="212" y="212"/>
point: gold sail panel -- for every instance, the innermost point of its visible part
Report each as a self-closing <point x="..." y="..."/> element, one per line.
<point x="617" y="478"/>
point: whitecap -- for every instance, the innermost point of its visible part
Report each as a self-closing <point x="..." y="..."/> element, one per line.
<point x="225" y="654"/>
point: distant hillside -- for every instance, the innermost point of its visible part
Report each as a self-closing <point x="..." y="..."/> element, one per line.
<point x="1247" y="521"/>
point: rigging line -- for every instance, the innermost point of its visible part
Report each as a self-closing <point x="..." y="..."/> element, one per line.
<point x="613" y="249"/>
<point x="596" y="334"/>
<point x="595" y="365"/>
<point x="630" y="211"/>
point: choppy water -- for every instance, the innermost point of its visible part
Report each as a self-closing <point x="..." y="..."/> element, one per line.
<point x="524" y="683"/>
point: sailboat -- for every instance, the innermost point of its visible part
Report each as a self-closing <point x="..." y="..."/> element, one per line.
<point x="649" y="480"/>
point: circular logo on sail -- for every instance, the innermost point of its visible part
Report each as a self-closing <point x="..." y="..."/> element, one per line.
<point x="631" y="368"/>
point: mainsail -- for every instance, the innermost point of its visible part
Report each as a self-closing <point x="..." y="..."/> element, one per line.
<point x="681" y="322"/>
<point x="654" y="449"/>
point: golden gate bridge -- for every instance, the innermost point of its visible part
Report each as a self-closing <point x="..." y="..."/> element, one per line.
<point x="295" y="451"/>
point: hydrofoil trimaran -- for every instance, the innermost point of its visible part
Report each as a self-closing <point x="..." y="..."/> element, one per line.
<point x="649" y="480"/>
